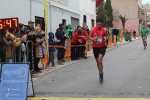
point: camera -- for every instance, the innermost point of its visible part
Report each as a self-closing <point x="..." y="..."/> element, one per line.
<point x="27" y="31"/>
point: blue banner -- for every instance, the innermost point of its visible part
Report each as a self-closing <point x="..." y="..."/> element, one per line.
<point x="14" y="79"/>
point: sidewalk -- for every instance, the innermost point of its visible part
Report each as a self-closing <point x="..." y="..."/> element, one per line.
<point x="67" y="63"/>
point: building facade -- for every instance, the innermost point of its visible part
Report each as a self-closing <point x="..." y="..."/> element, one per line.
<point x="73" y="12"/>
<point x="146" y="8"/>
<point x="88" y="12"/>
<point x="66" y="13"/>
<point x="128" y="8"/>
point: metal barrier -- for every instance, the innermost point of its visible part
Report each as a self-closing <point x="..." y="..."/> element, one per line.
<point x="20" y="56"/>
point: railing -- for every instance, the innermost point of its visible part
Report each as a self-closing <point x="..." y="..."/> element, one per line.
<point x="20" y="56"/>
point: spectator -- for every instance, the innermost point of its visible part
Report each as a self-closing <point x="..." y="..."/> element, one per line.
<point x="52" y="42"/>
<point x="74" y="50"/>
<point x="60" y="36"/>
<point x="31" y="36"/>
<point x="16" y="42"/>
<point x="30" y="26"/>
<point x="4" y="42"/>
<point x="69" y="31"/>
<point x="17" y="51"/>
<point x="78" y="39"/>
<point x="38" y="25"/>
<point x="83" y="25"/>
<point x="134" y="34"/>
<point x="22" y="29"/>
<point x="38" y="47"/>
<point x="77" y="28"/>
<point x="86" y="36"/>
<point x="116" y="32"/>
<point x="58" y="29"/>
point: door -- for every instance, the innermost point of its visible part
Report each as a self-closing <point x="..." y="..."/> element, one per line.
<point x="74" y="22"/>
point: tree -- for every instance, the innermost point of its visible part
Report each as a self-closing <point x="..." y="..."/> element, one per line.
<point x="105" y="12"/>
<point x="109" y="13"/>
<point x="101" y="11"/>
<point x="123" y="20"/>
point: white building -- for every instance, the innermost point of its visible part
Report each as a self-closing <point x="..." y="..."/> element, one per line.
<point x="60" y="11"/>
<point x="88" y="12"/>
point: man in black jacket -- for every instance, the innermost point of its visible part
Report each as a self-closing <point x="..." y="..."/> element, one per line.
<point x="60" y="36"/>
<point x="32" y="48"/>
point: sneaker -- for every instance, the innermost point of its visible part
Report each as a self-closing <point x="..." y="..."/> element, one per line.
<point x="100" y="78"/>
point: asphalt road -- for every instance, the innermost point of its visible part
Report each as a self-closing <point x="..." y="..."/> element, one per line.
<point x="126" y="74"/>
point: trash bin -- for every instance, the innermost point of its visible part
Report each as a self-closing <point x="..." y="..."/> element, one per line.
<point x="128" y="36"/>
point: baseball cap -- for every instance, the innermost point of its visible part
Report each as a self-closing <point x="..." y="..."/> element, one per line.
<point x="30" y="22"/>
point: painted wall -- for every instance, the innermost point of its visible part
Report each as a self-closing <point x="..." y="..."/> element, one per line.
<point x="57" y="17"/>
<point x="19" y="8"/>
<point x="87" y="8"/>
<point x="130" y="25"/>
<point x="61" y="10"/>
<point x="37" y="9"/>
<point x="71" y="5"/>
<point x="128" y="8"/>
<point x="26" y="11"/>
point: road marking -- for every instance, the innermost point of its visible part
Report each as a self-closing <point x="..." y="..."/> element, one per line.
<point x="44" y="98"/>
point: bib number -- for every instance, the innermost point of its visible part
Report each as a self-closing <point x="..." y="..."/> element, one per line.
<point x="99" y="40"/>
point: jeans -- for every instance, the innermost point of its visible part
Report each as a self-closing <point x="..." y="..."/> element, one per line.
<point x="51" y="58"/>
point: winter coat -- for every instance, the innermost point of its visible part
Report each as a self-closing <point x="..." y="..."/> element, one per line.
<point x="60" y="36"/>
<point x="69" y="32"/>
<point x="15" y="44"/>
<point x="39" y="49"/>
<point x="76" y="37"/>
<point x="51" y="41"/>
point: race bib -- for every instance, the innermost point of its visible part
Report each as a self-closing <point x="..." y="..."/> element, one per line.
<point x="99" y="40"/>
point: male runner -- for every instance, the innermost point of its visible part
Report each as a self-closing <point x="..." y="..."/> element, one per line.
<point x="97" y="36"/>
<point x="144" y="33"/>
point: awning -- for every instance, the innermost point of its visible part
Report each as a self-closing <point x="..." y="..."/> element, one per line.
<point x="98" y="2"/>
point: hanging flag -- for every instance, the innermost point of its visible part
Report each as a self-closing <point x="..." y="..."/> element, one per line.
<point x="98" y="2"/>
<point x="45" y="59"/>
<point x="46" y="16"/>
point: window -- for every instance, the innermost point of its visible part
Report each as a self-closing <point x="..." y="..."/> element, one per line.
<point x="40" y="20"/>
<point x="84" y="19"/>
<point x="64" y="23"/>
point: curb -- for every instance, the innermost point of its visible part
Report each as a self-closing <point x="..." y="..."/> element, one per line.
<point x="74" y="62"/>
<point x="56" y="69"/>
